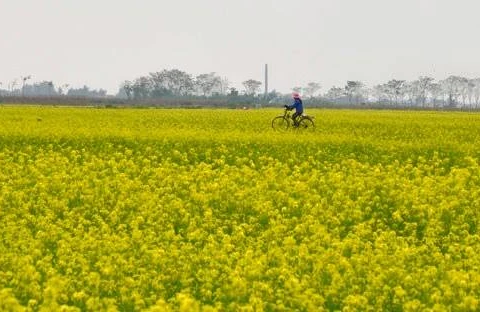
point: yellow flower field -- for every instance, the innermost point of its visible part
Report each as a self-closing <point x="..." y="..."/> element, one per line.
<point x="211" y="210"/>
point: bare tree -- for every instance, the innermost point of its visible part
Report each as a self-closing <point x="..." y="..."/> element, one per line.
<point x="423" y="85"/>
<point x="395" y="89"/>
<point x="141" y="88"/>
<point x="451" y="87"/>
<point x="476" y="91"/>
<point x="24" y="80"/>
<point x="12" y="85"/>
<point x="408" y="93"/>
<point x="435" y="90"/>
<point x="381" y="92"/>
<point x="251" y="86"/>
<point x="180" y="82"/>
<point x="233" y="92"/>
<point x="354" y="90"/>
<point x="464" y="89"/>
<point x="335" y="93"/>
<point x="224" y="84"/>
<point x="311" y="89"/>
<point x="158" y="84"/>
<point x="207" y="82"/>
<point x="127" y="87"/>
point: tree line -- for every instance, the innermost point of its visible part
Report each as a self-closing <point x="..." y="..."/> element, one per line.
<point x="425" y="92"/>
<point x="48" y="89"/>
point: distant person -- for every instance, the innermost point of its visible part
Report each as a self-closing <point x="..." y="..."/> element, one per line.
<point x="297" y="105"/>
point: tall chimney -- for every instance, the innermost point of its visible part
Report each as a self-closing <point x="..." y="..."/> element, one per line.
<point x="266" y="80"/>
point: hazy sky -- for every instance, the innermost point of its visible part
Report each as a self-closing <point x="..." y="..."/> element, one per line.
<point x="101" y="43"/>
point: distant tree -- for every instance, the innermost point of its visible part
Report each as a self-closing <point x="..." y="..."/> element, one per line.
<point x="178" y="82"/>
<point x="251" y="86"/>
<point x="380" y="92"/>
<point x="476" y="91"/>
<point x="423" y="85"/>
<point x="224" y="84"/>
<point x="297" y="89"/>
<point x="141" y="88"/>
<point x="395" y="90"/>
<point x="335" y="93"/>
<point x="408" y="93"/>
<point x="463" y="86"/>
<point x="206" y="83"/>
<point x="471" y="91"/>
<point x="451" y="88"/>
<point x="43" y="88"/>
<point x="100" y="93"/>
<point x="311" y="89"/>
<point x="12" y="85"/>
<point x="63" y="89"/>
<point x="127" y="88"/>
<point x="353" y="90"/>
<point x="233" y="92"/>
<point x="24" y="80"/>
<point x="168" y="82"/>
<point x="87" y="92"/>
<point x="158" y="85"/>
<point x="435" y="90"/>
<point x="273" y="95"/>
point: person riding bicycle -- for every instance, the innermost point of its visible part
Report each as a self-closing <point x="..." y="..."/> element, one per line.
<point x="297" y="105"/>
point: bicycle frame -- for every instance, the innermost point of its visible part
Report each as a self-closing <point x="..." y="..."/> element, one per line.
<point x="304" y="121"/>
<point x="288" y="114"/>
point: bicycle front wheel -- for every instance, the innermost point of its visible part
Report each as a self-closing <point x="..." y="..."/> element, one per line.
<point x="306" y="125"/>
<point x="280" y="123"/>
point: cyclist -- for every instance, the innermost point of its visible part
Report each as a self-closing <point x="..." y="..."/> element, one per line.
<point x="297" y="105"/>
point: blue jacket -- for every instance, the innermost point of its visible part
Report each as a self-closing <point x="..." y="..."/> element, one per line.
<point x="298" y="105"/>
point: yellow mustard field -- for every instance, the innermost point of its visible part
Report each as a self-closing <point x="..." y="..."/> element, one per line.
<point x="211" y="210"/>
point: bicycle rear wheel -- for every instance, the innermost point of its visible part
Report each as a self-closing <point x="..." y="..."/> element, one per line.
<point x="306" y="124"/>
<point x="280" y="123"/>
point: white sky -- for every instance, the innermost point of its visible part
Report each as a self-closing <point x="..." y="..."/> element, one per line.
<point x="101" y="43"/>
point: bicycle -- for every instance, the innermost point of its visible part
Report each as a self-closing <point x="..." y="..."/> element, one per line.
<point x="302" y="123"/>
